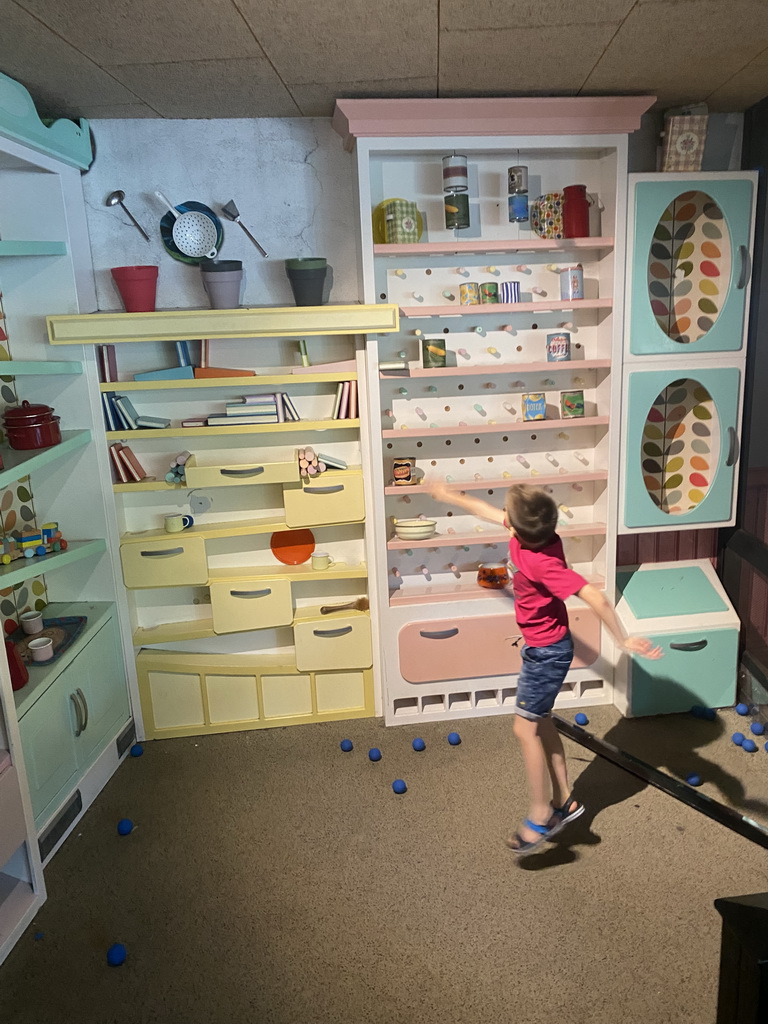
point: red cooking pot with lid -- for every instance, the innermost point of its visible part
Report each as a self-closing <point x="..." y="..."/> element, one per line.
<point x="31" y="426"/>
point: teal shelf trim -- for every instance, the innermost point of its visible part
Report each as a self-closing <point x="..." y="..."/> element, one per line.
<point x="28" y="568"/>
<point x="20" y="464"/>
<point x="13" y="248"/>
<point x="38" y="367"/>
<point x="68" y="141"/>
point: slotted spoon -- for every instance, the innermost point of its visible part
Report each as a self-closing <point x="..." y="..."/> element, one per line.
<point x="194" y="234"/>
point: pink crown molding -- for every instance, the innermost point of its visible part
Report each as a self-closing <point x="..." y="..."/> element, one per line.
<point x="539" y="115"/>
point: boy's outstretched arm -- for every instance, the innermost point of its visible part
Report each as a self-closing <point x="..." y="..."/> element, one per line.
<point x="475" y="506"/>
<point x="607" y="614"/>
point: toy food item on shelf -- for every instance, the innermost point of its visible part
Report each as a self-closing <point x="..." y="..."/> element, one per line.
<point x="558" y="347"/>
<point x="403" y="471"/>
<point x="571" y="404"/>
<point x="492" y="575"/>
<point x="31" y="543"/>
<point x="415" y="529"/>
<point x="404" y="212"/>
<point x="534" y="406"/>
<point x="433" y="353"/>
<point x="547" y="215"/>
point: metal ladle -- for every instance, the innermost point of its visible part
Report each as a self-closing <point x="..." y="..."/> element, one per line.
<point x="116" y="199"/>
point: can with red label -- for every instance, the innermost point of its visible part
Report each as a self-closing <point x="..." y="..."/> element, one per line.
<point x="558" y="347"/>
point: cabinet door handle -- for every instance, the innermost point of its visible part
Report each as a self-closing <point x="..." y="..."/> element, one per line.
<point x="438" y="634"/>
<point x="81" y="695"/>
<point x="78" y="713"/>
<point x="251" y="593"/>
<point x="250" y="471"/>
<point x="324" y="490"/>
<point x="327" y="634"/>
<point x="694" y="645"/>
<point x="733" y="447"/>
<point x="745" y="271"/>
<point x="162" y="553"/>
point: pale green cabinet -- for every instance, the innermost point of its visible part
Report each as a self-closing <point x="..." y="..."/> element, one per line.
<point x="69" y="726"/>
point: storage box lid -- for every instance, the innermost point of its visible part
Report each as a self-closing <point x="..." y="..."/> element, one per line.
<point x="671" y="591"/>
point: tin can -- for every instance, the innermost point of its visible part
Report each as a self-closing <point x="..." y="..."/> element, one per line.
<point x="403" y="471"/>
<point x="558" y="347"/>
<point x="401" y="223"/>
<point x="571" y="404"/>
<point x="572" y="282"/>
<point x="534" y="406"/>
<point x="492" y="575"/>
<point x="518" y="207"/>
<point x="469" y="293"/>
<point x="489" y="292"/>
<point x="456" y="210"/>
<point x="509" y="291"/>
<point x="455" y="176"/>
<point x="432" y="353"/>
<point x="517" y="179"/>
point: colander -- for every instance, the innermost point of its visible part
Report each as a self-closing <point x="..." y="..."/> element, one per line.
<point x="194" y="233"/>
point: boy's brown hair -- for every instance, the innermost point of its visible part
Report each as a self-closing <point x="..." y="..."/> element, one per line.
<point x="532" y="513"/>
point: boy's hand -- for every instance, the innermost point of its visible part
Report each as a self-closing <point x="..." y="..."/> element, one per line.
<point x="441" y="492"/>
<point x="642" y="646"/>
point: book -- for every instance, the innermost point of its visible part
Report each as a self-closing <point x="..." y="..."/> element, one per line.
<point x="227" y="421"/>
<point x="337" y="401"/>
<point x="344" y="365"/>
<point x="182" y="353"/>
<point x="290" y="409"/>
<point x="332" y="461"/>
<point x="133" y="467"/>
<point x="107" y="363"/>
<point x="205" y="372"/>
<point x="111" y="355"/>
<point x="172" y="373"/>
<point x="344" y="405"/>
<point x="280" y="407"/>
<point x="252" y="410"/>
<point x="204" y="353"/>
<point x="150" y="422"/>
<point x="352" y="411"/>
<point x="196" y="422"/>
<point x="268" y="399"/>
<point x="120" y="419"/>
<point x="119" y="471"/>
<point x="127" y="411"/>
<point x="109" y="413"/>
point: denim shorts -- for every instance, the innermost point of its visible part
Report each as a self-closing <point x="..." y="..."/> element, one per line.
<point x="543" y="673"/>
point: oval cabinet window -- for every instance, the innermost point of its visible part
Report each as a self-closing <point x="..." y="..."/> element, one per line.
<point x="689" y="267"/>
<point x="680" y="446"/>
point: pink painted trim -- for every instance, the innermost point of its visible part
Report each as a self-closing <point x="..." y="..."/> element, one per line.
<point x="540" y="115"/>
<point x="495" y="369"/>
<point x="542" y="306"/>
<point x="499" y="428"/>
<point x="479" y="246"/>
<point x="439" y="593"/>
<point x="449" y="540"/>
<point x="483" y="485"/>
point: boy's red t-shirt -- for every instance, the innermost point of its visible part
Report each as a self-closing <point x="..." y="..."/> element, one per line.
<point x="541" y="584"/>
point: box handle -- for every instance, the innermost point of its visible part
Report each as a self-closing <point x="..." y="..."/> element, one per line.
<point x="439" y="634"/>
<point x="746" y="267"/>
<point x="250" y="471"/>
<point x="81" y="696"/>
<point x="733" y="447"/>
<point x="324" y="490"/>
<point x="78" y="713"/>
<point x="694" y="645"/>
<point x="251" y="593"/>
<point x="327" y="634"/>
<point x="164" y="551"/>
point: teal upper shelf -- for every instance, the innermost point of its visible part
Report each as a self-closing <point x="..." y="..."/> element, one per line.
<point x="12" y="248"/>
<point x="38" y="367"/>
<point x="19" y="464"/>
<point x="27" y="568"/>
<point x="65" y="140"/>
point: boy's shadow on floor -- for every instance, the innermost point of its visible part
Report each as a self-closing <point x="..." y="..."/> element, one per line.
<point x="669" y="743"/>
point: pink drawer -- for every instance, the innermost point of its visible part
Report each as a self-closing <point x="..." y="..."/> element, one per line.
<point x="461" y="648"/>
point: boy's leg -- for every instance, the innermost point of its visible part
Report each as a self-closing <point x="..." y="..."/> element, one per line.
<point x="537" y="773"/>
<point x="556" y="763"/>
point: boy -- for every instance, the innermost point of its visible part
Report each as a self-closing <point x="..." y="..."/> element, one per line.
<point x="541" y="583"/>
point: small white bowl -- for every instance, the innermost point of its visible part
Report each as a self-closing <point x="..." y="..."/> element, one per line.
<point x="32" y="622"/>
<point x="41" y="649"/>
<point x="415" y="529"/>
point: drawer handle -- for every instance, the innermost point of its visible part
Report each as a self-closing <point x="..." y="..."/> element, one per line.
<point x="439" y="634"/>
<point x="733" y="447"/>
<point x="746" y="267"/>
<point x="324" y="490"/>
<point x="251" y="471"/>
<point x="250" y="593"/>
<point x="327" y="634"/>
<point x="695" y="645"/>
<point x="159" y="554"/>
<point x="78" y="713"/>
<point x="81" y="695"/>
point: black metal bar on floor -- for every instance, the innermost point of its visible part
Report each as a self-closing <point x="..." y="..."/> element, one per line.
<point x="666" y="783"/>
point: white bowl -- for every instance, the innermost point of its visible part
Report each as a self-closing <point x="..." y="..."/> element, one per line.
<point x="415" y="529"/>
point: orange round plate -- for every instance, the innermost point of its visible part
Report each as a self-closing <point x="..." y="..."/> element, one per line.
<point x="292" y="547"/>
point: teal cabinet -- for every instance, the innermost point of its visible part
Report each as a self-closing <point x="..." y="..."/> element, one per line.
<point x="72" y="722"/>
<point x="681" y="447"/>
<point x="690" y="262"/>
<point x="698" y="667"/>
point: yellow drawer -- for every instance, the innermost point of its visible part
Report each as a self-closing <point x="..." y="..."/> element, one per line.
<point x="323" y="645"/>
<point x="330" y="498"/>
<point x="238" y="605"/>
<point x="174" y="561"/>
<point x="247" y="473"/>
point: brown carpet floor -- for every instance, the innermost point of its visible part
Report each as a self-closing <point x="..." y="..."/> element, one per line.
<point x="274" y="880"/>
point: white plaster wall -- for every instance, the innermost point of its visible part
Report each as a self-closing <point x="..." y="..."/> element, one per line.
<point x="290" y="178"/>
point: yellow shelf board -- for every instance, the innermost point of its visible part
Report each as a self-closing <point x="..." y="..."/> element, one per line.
<point x="259" y="380"/>
<point x="258" y="322"/>
<point x="280" y="664"/>
<point x="313" y="613"/>
<point x="294" y="573"/>
<point x="267" y="428"/>
<point x="149" y="485"/>
<point x="173" y="632"/>
<point x="209" y="531"/>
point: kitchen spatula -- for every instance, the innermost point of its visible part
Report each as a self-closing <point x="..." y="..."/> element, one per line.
<point x="231" y="211"/>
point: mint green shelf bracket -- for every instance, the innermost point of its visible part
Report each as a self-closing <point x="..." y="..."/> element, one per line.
<point x="66" y="140"/>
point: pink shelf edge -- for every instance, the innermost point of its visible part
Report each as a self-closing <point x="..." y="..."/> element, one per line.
<point x="542" y="306"/>
<point x="500" y="428"/>
<point x="445" y="540"/>
<point x="482" y="485"/>
<point x="463" y="371"/>
<point x="440" y="593"/>
<point x="479" y="246"/>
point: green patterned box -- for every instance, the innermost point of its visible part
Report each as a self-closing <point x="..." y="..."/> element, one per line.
<point x="401" y="222"/>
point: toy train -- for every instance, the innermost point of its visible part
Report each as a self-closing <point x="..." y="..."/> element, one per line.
<point x="32" y="543"/>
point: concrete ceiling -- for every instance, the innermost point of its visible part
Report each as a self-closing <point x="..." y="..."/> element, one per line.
<point x="288" y="58"/>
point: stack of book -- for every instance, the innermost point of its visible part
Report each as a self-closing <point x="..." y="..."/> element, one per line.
<point x="345" y="406"/>
<point x="126" y="467"/>
<point x="107" y="363"/>
<point x="119" y="414"/>
<point x="252" y="410"/>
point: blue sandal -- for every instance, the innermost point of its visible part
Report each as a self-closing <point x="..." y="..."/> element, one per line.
<point x="563" y="816"/>
<point x="522" y="848"/>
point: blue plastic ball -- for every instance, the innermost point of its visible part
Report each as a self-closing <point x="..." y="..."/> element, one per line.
<point x="124" y="827"/>
<point x="399" y="786"/>
<point x="749" y="745"/>
<point x="374" y="754"/>
<point x="742" y="709"/>
<point x="757" y="728"/>
<point x="581" y="719"/>
<point x="116" y="954"/>
<point x="346" y="745"/>
<point x="693" y="780"/>
<point x="418" y="744"/>
<point x="454" y="739"/>
<point x="738" y="738"/>
<point x="137" y="750"/>
<point x="766" y="747"/>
